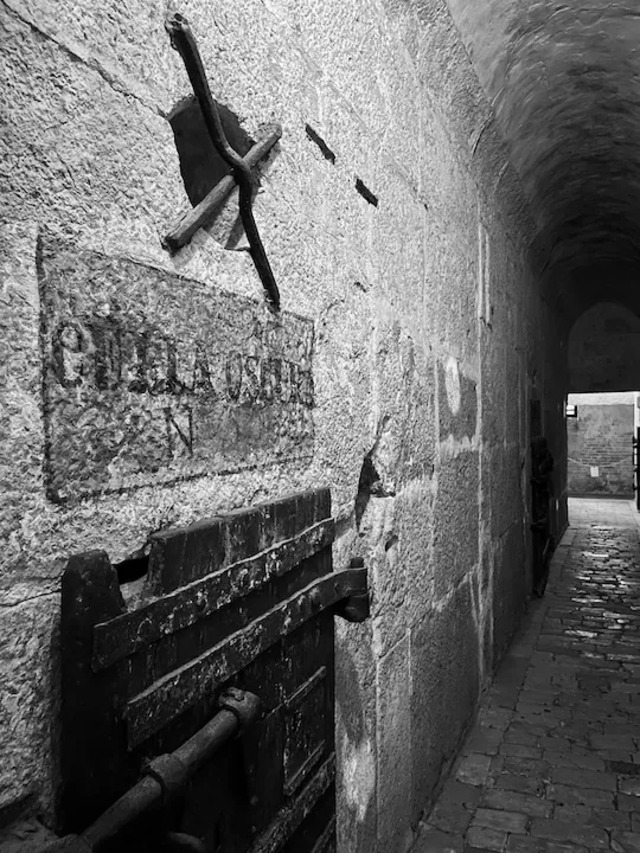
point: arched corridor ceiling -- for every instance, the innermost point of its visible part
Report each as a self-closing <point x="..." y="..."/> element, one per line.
<point x="564" y="81"/>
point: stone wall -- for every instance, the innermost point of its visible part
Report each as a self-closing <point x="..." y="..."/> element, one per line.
<point x="599" y="445"/>
<point x="413" y="340"/>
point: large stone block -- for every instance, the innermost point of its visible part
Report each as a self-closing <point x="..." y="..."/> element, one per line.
<point x="509" y="588"/>
<point x="394" y="750"/>
<point x="404" y="388"/>
<point x="457" y="402"/>
<point x="494" y="394"/>
<point x="21" y="428"/>
<point x="506" y="487"/>
<point x="399" y="260"/>
<point x="79" y="151"/>
<point x="27" y="709"/>
<point x="444" y="690"/>
<point x="455" y="542"/>
<point x="356" y="726"/>
<point x="399" y="531"/>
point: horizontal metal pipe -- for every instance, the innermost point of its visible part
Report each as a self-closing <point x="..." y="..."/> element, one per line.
<point x="144" y="795"/>
<point x="166" y="774"/>
<point x="193" y="753"/>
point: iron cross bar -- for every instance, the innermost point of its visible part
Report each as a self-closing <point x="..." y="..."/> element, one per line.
<point x="183" y="41"/>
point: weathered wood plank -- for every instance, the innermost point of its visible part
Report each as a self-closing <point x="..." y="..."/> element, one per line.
<point x="185" y="554"/>
<point x="94" y="766"/>
<point x="129" y="632"/>
<point x="152" y="709"/>
<point x="291" y="816"/>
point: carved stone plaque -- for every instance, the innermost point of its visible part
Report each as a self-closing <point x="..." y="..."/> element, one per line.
<point x="152" y="378"/>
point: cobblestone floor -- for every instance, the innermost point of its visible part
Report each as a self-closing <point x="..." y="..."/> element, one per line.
<point x="553" y="762"/>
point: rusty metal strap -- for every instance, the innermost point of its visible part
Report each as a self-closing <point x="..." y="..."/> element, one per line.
<point x="126" y="634"/>
<point x="169" y="696"/>
<point x="183" y="230"/>
<point x="183" y="41"/>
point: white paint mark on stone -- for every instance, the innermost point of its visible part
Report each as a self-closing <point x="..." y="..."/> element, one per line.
<point x="452" y="384"/>
<point x="359" y="776"/>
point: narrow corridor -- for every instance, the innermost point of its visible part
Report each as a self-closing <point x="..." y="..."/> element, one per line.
<point x="553" y="762"/>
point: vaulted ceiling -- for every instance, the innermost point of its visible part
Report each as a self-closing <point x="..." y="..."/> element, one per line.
<point x="564" y="80"/>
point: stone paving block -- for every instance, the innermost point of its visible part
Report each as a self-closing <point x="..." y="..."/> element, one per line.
<point x="486" y="838"/>
<point x="527" y="844"/>
<point x="484" y="739"/>
<point x="506" y="698"/>
<point x="526" y="729"/>
<point x="507" y="821"/>
<point x="431" y="840"/>
<point x="628" y="803"/>
<point x="567" y="795"/>
<point x="570" y="831"/>
<point x="495" y="717"/>
<point x="476" y="850"/>
<point x="523" y="738"/>
<point x="514" y="801"/>
<point x="459" y="792"/>
<point x="584" y="778"/>
<point x="564" y="757"/>
<point x="616" y="755"/>
<point x="630" y="787"/>
<point x="605" y="818"/>
<point x="625" y="842"/>
<point x="527" y="767"/>
<point x="474" y="769"/>
<point x="497" y="765"/>
<point x="607" y="743"/>
<point x="449" y="817"/>
<point x="522" y="784"/>
<point x="623" y="768"/>
<point x="620" y="728"/>
<point x="520" y="751"/>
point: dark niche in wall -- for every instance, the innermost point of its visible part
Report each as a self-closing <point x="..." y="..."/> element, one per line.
<point x="202" y="168"/>
<point x="369" y="484"/>
<point x="200" y="164"/>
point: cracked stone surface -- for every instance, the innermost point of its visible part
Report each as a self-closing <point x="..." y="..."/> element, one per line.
<point x="552" y="764"/>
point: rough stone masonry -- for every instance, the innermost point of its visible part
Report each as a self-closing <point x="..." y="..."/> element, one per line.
<point x="141" y="391"/>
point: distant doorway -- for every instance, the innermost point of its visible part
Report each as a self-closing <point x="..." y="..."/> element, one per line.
<point x="600" y="442"/>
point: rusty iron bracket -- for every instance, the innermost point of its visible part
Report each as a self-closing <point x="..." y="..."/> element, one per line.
<point x="240" y="704"/>
<point x="184" y="229"/>
<point x="357" y="606"/>
<point x="183" y="41"/>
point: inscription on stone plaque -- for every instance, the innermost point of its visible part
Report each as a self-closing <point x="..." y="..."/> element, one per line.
<point x="152" y="378"/>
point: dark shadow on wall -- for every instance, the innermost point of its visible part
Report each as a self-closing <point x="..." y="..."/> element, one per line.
<point x="604" y="350"/>
<point x="202" y="168"/>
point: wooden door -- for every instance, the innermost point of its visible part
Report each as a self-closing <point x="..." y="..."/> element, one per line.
<point x="244" y="600"/>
